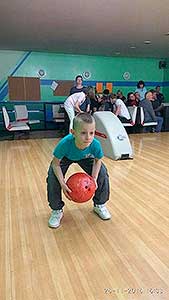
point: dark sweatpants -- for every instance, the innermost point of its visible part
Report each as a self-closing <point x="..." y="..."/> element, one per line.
<point x="54" y="188"/>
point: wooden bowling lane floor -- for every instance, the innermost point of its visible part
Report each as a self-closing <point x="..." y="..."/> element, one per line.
<point x="125" y="258"/>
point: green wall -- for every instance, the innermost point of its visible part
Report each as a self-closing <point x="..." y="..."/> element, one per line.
<point x="8" y="60"/>
<point x="166" y="82"/>
<point x="66" y="67"/>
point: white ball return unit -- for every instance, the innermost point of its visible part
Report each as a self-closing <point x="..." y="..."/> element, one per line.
<point x="112" y="135"/>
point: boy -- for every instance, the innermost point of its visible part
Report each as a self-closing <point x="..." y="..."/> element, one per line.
<point x="79" y="147"/>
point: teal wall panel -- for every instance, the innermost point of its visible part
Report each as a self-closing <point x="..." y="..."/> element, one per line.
<point x="166" y="82"/>
<point x="66" y="67"/>
<point x="8" y="61"/>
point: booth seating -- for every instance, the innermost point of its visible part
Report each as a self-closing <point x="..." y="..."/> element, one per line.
<point x="58" y="113"/>
<point x="133" y="112"/>
<point x="21" y="114"/>
<point x="144" y="124"/>
<point x="14" y="126"/>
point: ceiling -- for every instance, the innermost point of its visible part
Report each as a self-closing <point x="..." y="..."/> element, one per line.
<point x="95" y="27"/>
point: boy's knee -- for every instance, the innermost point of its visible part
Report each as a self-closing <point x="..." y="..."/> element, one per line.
<point x="103" y="170"/>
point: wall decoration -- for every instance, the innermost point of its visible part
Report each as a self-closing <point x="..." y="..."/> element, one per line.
<point x="41" y="73"/>
<point x="126" y="75"/>
<point x="86" y="74"/>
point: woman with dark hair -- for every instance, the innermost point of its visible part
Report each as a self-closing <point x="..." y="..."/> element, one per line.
<point x="78" y="87"/>
<point x="141" y="89"/>
<point x="131" y="100"/>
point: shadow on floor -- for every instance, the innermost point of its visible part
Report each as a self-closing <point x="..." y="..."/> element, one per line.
<point x="37" y="134"/>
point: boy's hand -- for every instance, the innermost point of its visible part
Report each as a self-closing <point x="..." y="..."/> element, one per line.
<point x="66" y="191"/>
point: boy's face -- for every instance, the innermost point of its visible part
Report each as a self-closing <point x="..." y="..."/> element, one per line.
<point x="84" y="134"/>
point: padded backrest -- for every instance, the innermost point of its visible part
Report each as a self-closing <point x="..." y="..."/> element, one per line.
<point x="6" y="117"/>
<point x="133" y="112"/>
<point x="142" y="115"/>
<point x="21" y="112"/>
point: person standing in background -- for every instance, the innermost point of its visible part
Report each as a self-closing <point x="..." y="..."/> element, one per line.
<point x="78" y="87"/>
<point x="141" y="89"/>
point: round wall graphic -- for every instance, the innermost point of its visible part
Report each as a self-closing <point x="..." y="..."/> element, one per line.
<point x="86" y="75"/>
<point x="126" y="75"/>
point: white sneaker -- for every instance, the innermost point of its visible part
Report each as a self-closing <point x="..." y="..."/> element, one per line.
<point x="102" y="211"/>
<point x="55" y="218"/>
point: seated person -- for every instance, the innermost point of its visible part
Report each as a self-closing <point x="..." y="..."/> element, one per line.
<point x="131" y="100"/>
<point x="94" y="103"/>
<point x="160" y="96"/>
<point x="137" y="96"/>
<point x="105" y="99"/>
<point x="106" y="94"/>
<point x="120" y="109"/>
<point x="157" y="104"/>
<point x="149" y="114"/>
<point x="121" y="96"/>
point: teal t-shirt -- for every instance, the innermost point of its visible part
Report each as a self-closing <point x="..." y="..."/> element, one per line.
<point x="66" y="147"/>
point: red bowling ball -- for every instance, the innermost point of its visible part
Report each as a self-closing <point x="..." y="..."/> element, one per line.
<point x="82" y="186"/>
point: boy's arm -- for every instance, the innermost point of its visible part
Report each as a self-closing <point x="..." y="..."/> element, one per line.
<point x="58" y="173"/>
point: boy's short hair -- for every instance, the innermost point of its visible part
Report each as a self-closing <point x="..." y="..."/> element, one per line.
<point x="82" y="118"/>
